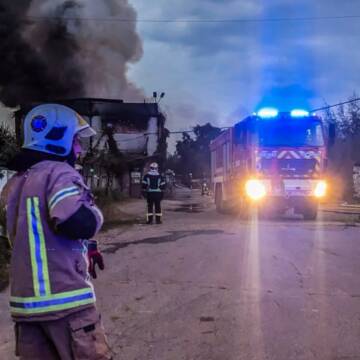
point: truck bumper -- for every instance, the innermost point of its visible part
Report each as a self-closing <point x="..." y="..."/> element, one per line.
<point x="279" y="203"/>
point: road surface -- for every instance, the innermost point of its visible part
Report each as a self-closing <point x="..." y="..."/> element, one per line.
<point x="212" y="287"/>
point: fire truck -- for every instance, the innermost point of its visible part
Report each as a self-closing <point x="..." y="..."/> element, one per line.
<point x="272" y="161"/>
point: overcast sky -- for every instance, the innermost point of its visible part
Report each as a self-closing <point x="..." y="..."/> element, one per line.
<point x="220" y="72"/>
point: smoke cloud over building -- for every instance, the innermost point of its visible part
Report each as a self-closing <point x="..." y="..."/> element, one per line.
<point x="58" y="49"/>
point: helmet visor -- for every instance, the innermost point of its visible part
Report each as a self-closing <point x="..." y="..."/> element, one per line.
<point x="83" y="129"/>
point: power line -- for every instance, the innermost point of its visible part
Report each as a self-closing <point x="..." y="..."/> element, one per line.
<point x="187" y="131"/>
<point x="315" y="110"/>
<point x="228" y="127"/>
<point x="336" y="105"/>
<point x="195" y="21"/>
<point x="133" y="138"/>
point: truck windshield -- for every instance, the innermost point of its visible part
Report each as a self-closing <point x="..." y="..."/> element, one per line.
<point x="290" y="134"/>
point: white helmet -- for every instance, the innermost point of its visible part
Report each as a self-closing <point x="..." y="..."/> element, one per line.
<point x="154" y="166"/>
<point x="51" y="128"/>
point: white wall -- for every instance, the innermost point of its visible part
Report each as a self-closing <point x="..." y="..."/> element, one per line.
<point x="137" y="142"/>
<point x="5" y="117"/>
<point x="153" y="136"/>
<point x="5" y="177"/>
<point x="134" y="143"/>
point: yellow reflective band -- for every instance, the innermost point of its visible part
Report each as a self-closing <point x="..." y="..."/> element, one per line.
<point x="38" y="255"/>
<point x="71" y="305"/>
<point x="32" y="249"/>
<point x="61" y="295"/>
<point x="43" y="252"/>
<point x="50" y="303"/>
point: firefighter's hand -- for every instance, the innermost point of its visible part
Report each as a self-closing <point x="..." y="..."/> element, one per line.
<point x="95" y="258"/>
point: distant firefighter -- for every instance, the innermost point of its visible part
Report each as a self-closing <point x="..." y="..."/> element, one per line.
<point x="153" y="186"/>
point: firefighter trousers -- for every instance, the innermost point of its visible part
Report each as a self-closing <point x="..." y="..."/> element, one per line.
<point x="154" y="201"/>
<point x="78" y="336"/>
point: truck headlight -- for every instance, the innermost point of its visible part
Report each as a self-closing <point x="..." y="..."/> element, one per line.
<point x="320" y="189"/>
<point x="255" y="189"/>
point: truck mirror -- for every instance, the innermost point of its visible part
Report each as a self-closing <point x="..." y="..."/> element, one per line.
<point x="332" y="134"/>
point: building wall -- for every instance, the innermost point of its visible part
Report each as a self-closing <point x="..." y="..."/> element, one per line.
<point x="5" y="176"/>
<point x="131" y="141"/>
<point x="153" y="137"/>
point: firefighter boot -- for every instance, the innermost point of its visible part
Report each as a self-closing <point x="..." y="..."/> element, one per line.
<point x="158" y="219"/>
<point x="150" y="219"/>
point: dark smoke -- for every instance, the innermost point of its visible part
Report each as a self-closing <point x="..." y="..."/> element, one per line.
<point x="48" y="52"/>
<point x="29" y="74"/>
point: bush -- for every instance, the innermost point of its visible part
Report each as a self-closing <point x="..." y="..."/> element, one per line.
<point x="4" y="251"/>
<point x="2" y="219"/>
<point x="8" y="145"/>
<point x="4" y="262"/>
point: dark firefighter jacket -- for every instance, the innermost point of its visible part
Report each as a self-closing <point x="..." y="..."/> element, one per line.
<point x="153" y="182"/>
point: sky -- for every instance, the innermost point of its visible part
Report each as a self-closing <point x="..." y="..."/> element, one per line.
<point x="221" y="72"/>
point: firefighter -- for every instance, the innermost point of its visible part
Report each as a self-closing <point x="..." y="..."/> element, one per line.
<point x="51" y="217"/>
<point x="153" y="186"/>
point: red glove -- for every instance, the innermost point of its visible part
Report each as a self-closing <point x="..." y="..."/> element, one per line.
<point x="95" y="258"/>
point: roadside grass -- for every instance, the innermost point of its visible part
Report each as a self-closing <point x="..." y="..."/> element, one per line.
<point x="112" y="208"/>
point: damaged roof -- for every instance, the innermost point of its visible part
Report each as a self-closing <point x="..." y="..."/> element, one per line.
<point x="106" y="108"/>
<point x="134" y="115"/>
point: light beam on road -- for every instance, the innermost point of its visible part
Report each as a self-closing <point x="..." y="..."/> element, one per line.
<point x="320" y="304"/>
<point x="252" y="280"/>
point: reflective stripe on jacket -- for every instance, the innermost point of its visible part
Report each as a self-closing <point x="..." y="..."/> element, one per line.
<point x="48" y="271"/>
<point x="153" y="182"/>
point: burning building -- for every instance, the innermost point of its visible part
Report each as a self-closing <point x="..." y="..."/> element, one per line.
<point x="79" y="50"/>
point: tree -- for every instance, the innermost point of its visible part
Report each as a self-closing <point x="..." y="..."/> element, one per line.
<point x="8" y="149"/>
<point x="192" y="155"/>
<point x="8" y="145"/>
<point x="108" y="161"/>
<point x="345" y="153"/>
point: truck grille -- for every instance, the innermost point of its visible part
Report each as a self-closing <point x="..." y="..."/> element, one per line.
<point x="290" y="167"/>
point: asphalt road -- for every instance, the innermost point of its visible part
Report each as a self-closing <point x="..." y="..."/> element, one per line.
<point x="212" y="287"/>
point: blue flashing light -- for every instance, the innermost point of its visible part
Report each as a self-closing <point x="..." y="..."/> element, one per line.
<point x="268" y="113"/>
<point x="299" y="113"/>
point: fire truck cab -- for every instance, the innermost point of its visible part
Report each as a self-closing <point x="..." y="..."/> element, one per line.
<point x="272" y="161"/>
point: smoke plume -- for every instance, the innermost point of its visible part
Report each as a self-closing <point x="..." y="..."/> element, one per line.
<point x="55" y="49"/>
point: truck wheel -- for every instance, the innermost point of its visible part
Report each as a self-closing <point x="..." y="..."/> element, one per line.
<point x="310" y="212"/>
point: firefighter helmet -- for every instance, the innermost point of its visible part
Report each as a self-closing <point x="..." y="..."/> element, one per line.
<point x="51" y="128"/>
<point x="154" y="166"/>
